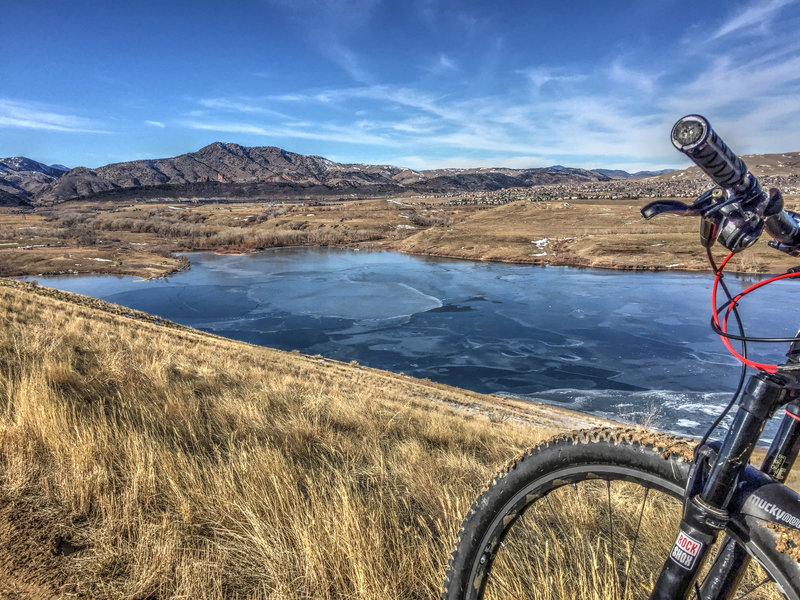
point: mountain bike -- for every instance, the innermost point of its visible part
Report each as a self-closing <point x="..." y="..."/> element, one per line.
<point x="628" y="513"/>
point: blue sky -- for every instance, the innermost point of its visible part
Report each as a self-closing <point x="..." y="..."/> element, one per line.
<point x="417" y="83"/>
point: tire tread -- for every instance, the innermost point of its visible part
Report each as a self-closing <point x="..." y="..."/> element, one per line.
<point x="668" y="446"/>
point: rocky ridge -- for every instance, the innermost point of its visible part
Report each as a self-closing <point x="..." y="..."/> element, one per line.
<point x="230" y="171"/>
<point x="22" y="178"/>
<point x="225" y="170"/>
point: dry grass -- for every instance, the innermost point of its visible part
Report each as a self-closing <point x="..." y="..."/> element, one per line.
<point x="590" y="233"/>
<point x="33" y="243"/>
<point x="141" y="461"/>
<point x="565" y="548"/>
<point x="140" y="239"/>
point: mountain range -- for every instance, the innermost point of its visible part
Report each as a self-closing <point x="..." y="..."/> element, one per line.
<point x="618" y="174"/>
<point x="225" y="170"/>
<point x="230" y="171"/>
<point x="22" y="178"/>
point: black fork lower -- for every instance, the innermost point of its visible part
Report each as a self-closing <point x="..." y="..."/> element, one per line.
<point x="708" y="497"/>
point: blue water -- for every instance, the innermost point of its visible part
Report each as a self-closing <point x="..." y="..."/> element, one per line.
<point x="616" y="344"/>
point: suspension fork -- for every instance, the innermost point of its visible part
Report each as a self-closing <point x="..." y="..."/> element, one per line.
<point x="729" y="566"/>
<point x="705" y="506"/>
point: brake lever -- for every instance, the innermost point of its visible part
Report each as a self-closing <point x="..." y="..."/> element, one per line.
<point x="707" y="201"/>
<point x="706" y="205"/>
<point x="672" y="207"/>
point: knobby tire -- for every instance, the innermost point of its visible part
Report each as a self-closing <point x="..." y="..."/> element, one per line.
<point x="589" y="515"/>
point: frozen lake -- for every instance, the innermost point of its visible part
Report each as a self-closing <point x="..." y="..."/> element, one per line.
<point x="616" y="344"/>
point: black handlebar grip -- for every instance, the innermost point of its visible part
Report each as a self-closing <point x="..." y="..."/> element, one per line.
<point x="693" y="136"/>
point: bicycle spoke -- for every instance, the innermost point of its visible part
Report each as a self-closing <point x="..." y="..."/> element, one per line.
<point x="541" y="562"/>
<point x="635" y="540"/>
<point x="579" y="504"/>
<point x="564" y="533"/>
<point x="595" y="534"/>
<point x="760" y="585"/>
<point x="611" y="531"/>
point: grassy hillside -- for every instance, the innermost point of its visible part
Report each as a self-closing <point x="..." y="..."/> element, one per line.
<point x="601" y="233"/>
<point x="141" y="459"/>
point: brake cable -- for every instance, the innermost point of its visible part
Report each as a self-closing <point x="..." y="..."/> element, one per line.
<point x="721" y="328"/>
<point x="718" y="280"/>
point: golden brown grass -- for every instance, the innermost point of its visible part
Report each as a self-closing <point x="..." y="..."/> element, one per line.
<point x="141" y="461"/>
<point x="33" y="243"/>
<point x="590" y="233"/>
<point x="140" y="239"/>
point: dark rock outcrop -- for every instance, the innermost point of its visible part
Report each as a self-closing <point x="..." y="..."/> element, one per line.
<point x="21" y="178"/>
<point x="222" y="170"/>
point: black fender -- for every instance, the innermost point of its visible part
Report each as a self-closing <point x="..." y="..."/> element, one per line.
<point x="758" y="495"/>
<point x="757" y="502"/>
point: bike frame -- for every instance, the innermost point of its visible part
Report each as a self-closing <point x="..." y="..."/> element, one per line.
<point x="724" y="491"/>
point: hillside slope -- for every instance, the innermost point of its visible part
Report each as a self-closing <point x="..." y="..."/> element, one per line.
<point x="21" y="178"/>
<point x="142" y="459"/>
<point x="224" y="170"/>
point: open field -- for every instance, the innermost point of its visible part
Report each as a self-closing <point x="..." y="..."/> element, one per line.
<point x="141" y="459"/>
<point x="598" y="233"/>
<point x="33" y="242"/>
<point x="142" y="239"/>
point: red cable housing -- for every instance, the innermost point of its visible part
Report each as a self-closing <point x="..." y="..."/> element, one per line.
<point x="732" y="304"/>
<point x="794" y="416"/>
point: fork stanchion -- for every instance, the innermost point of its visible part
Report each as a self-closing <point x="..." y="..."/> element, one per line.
<point x="729" y="565"/>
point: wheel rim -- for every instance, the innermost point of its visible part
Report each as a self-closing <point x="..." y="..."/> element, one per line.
<point x="600" y="535"/>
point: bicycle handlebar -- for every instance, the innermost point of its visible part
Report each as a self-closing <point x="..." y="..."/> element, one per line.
<point x="693" y="136"/>
<point x="737" y="214"/>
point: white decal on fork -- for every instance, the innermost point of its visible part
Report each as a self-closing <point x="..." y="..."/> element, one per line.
<point x="685" y="551"/>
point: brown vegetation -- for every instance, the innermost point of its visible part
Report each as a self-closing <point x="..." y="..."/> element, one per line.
<point x="598" y="233"/>
<point x="142" y="239"/>
<point x="147" y="460"/>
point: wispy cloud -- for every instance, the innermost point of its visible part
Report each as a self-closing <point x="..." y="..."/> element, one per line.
<point x="541" y="76"/>
<point x="331" y="133"/>
<point x="228" y="127"/>
<point x="509" y="130"/>
<point x="439" y="15"/>
<point x="444" y="64"/>
<point x="25" y="115"/>
<point x="428" y="12"/>
<point x="348" y="60"/>
<point x="643" y="81"/>
<point x="158" y="124"/>
<point x="244" y="104"/>
<point x="616" y="111"/>
<point x="328" y="25"/>
<point x="755" y="17"/>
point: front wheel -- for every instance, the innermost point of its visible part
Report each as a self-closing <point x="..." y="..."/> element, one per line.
<point x="589" y="515"/>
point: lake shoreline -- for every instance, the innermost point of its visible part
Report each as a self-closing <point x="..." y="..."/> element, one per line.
<point x="147" y="240"/>
<point x="147" y="273"/>
<point x="599" y="341"/>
